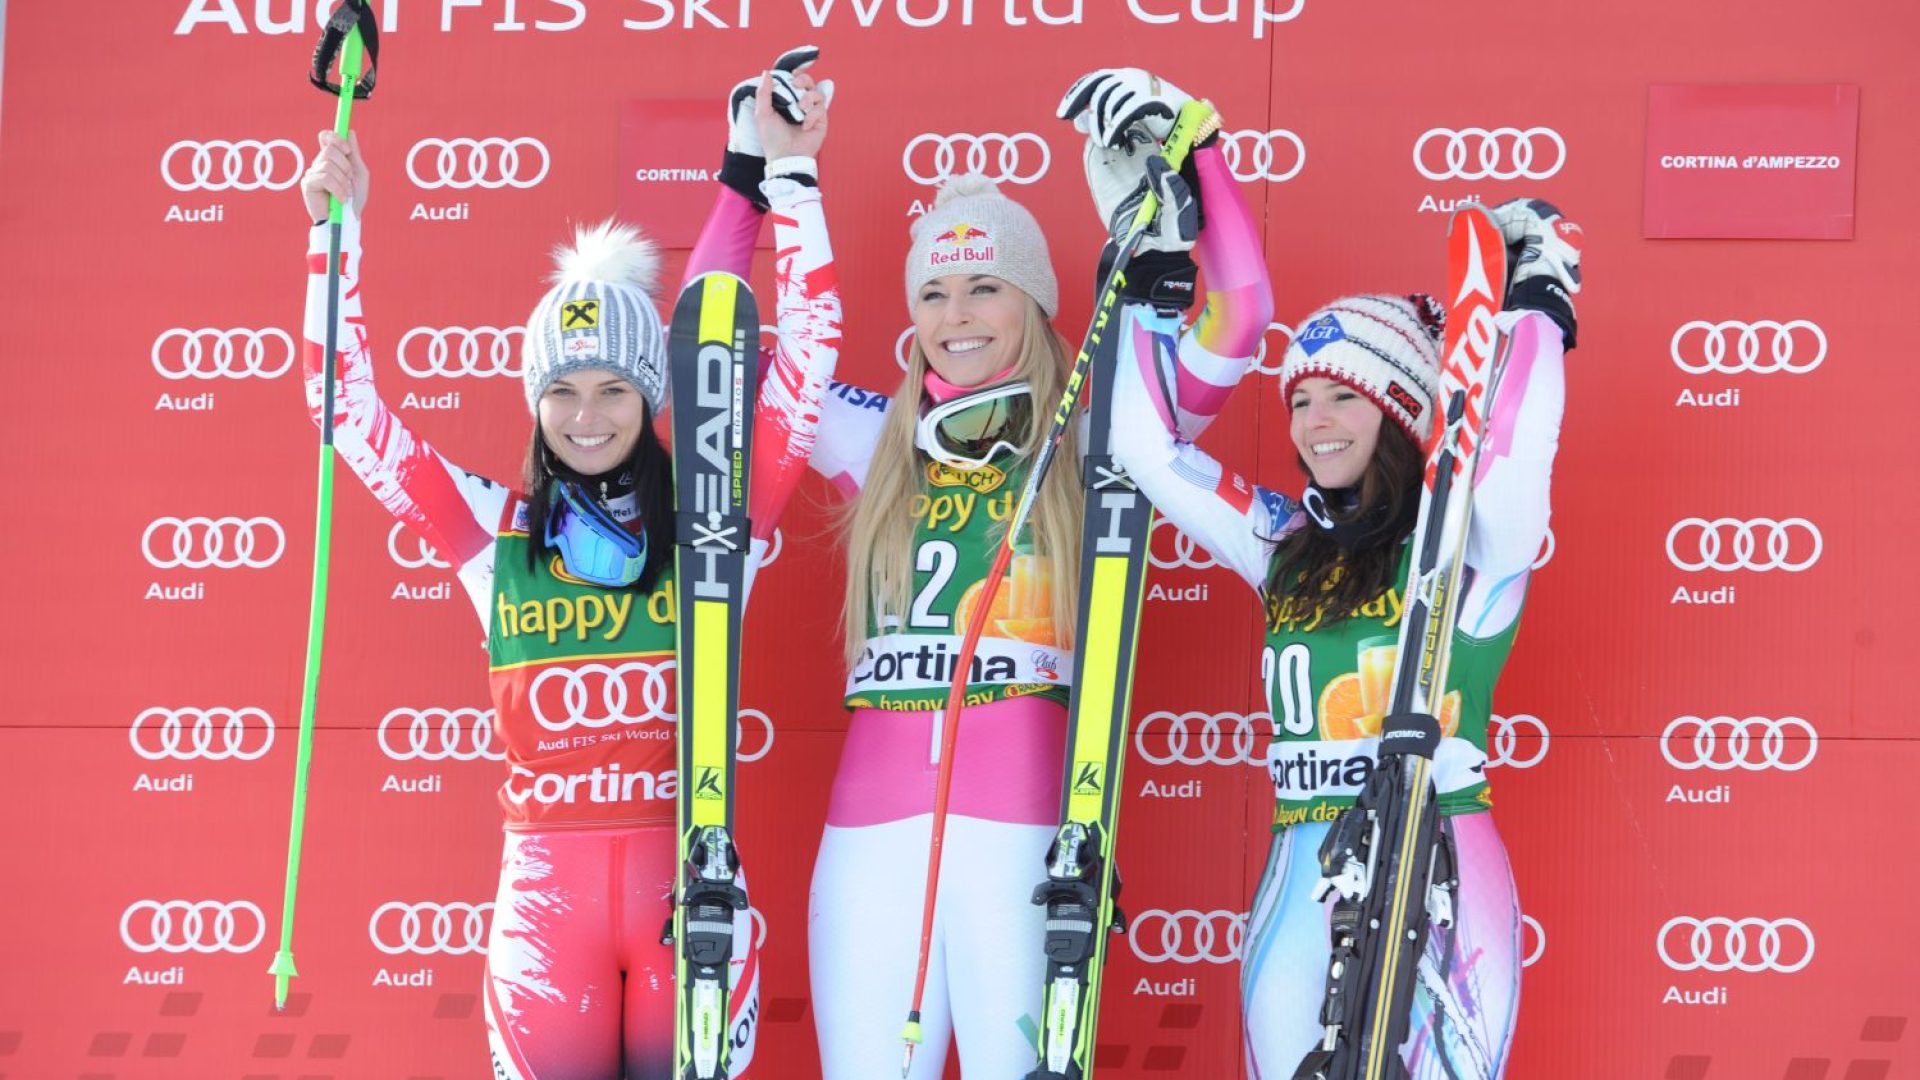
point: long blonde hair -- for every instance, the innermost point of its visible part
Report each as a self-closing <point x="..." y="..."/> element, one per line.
<point x="879" y="530"/>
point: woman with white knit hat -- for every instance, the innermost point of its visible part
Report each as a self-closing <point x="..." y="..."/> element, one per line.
<point x="931" y="475"/>
<point x="1359" y="381"/>
<point x="571" y="575"/>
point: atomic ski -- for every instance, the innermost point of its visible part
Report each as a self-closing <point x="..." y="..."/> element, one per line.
<point x="1386" y="860"/>
<point x="1081" y="884"/>
<point x="713" y="377"/>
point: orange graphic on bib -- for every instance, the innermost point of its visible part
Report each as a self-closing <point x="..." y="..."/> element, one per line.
<point x="1353" y="705"/>
<point x="1022" y="606"/>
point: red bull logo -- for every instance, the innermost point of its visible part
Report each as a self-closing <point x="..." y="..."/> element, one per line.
<point x="962" y="243"/>
<point x="963" y="234"/>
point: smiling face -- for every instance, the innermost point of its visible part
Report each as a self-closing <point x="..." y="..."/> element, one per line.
<point x="971" y="326"/>
<point x="591" y="420"/>
<point x="1335" y="430"/>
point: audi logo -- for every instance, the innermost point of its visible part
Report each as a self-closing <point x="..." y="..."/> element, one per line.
<point x="1259" y="364"/>
<point x="1503" y="741"/>
<point x="1197" y="738"/>
<point x="1723" y="944"/>
<point x="900" y="347"/>
<point x="210" y="353"/>
<point x="201" y="926"/>
<point x="1020" y="158"/>
<point x="438" y="735"/>
<point x="1187" y="552"/>
<point x="1547" y="548"/>
<point x="426" y="928"/>
<point x="1725" y="743"/>
<point x="240" y="165"/>
<point x="424" y="553"/>
<point x="1250" y="155"/>
<point x="740" y="735"/>
<point x="1503" y="153"/>
<point x="489" y="163"/>
<point x="597" y="696"/>
<point x="455" y="352"/>
<point x="1539" y="936"/>
<point x="774" y="547"/>
<point x="224" y="543"/>
<point x="1188" y="936"/>
<point x="1795" y="347"/>
<point x="189" y="734"/>
<point x="1791" y="544"/>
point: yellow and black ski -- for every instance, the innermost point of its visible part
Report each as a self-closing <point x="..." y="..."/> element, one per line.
<point x="713" y="378"/>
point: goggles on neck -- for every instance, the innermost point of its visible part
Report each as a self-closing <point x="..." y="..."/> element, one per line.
<point x="971" y="430"/>
<point x="594" y="546"/>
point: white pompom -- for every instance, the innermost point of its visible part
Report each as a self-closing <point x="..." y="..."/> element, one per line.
<point x="607" y="252"/>
<point x="964" y="187"/>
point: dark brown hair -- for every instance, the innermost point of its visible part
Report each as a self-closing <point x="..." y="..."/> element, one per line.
<point x="652" y="469"/>
<point x="1309" y="570"/>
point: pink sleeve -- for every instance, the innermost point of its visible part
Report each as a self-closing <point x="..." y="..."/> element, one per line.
<point x="1215" y="353"/>
<point x="726" y="241"/>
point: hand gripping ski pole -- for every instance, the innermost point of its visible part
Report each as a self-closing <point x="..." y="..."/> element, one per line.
<point x="1387" y="862"/>
<point x="343" y="37"/>
<point x="1196" y="121"/>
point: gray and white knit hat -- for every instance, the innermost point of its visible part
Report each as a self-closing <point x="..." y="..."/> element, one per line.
<point x="1386" y="347"/>
<point x="599" y="315"/>
<point x="973" y="229"/>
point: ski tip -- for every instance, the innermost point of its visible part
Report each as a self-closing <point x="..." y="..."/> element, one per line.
<point x="906" y="1060"/>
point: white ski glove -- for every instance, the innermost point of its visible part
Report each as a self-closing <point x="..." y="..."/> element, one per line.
<point x="745" y="163"/>
<point x="1161" y="271"/>
<point x="1126" y="114"/>
<point x="1544" y="248"/>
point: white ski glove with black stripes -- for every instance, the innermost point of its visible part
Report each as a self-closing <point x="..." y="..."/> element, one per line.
<point x="1544" y="248"/>
<point x="745" y="162"/>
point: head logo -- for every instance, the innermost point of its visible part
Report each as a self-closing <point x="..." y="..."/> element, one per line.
<point x="489" y="163"/>
<point x="200" y="926"/>
<point x="1754" y="743"/>
<point x="1503" y="153"/>
<point x="436" y="734"/>
<point x="1197" y="738"/>
<point x="1700" y="347"/>
<point x="190" y="734"/>
<point x="597" y="696"/>
<point x="1504" y="734"/>
<point x="210" y="353"/>
<point x="1251" y="155"/>
<point x="241" y="165"/>
<point x="1721" y="944"/>
<point x="1727" y="544"/>
<point x="428" y="928"/>
<point x="1020" y="158"/>
<point x="1188" y="936"/>
<point x="1186" y="552"/>
<point x="226" y="543"/>
<point x="425" y="555"/>
<point x="454" y="352"/>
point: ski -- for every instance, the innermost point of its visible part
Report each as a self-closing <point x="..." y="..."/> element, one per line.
<point x="1386" y="860"/>
<point x="713" y="374"/>
<point x="1081" y="885"/>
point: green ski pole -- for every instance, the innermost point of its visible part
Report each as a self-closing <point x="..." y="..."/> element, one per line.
<point x="343" y="36"/>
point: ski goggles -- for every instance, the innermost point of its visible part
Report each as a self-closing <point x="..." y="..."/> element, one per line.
<point x="595" y="547"/>
<point x="971" y="430"/>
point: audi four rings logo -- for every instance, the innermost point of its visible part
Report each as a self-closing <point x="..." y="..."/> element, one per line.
<point x="1278" y="353"/>
<point x="190" y="734"/>
<point x="1188" y="936"/>
<point x="1503" y="153"/>
<point x="240" y="165"/>
<point x="1251" y="155"/>
<point x="202" y="926"/>
<point x="1187" y="552"/>
<point x="456" y="352"/>
<point x="1019" y="158"/>
<point x="1725" y="743"/>
<point x="1790" y="544"/>
<point x="438" y="735"/>
<point x="1546" y="550"/>
<point x="426" y="928"/>
<point x="210" y="353"/>
<point x="424" y="553"/>
<point x="477" y="163"/>
<point x="900" y="347"/>
<point x="740" y="735"/>
<point x="1197" y="738"/>
<point x="597" y="696"/>
<point x="1795" y="347"/>
<point x="1539" y="936"/>
<point x="1503" y="739"/>
<point x="224" y="543"/>
<point x="1723" y="944"/>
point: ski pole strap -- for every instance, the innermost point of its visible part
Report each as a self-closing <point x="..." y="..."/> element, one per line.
<point x="351" y="14"/>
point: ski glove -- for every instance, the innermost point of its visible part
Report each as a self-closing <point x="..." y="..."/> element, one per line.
<point x="1126" y="115"/>
<point x="745" y="162"/>
<point x="1544" y="247"/>
<point x="1161" y="271"/>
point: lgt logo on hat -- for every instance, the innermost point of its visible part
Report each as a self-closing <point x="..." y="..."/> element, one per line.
<point x="1320" y="333"/>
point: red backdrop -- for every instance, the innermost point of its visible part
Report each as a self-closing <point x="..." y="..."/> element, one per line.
<point x="1702" y="750"/>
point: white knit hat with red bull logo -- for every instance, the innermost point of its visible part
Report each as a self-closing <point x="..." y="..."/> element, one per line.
<point x="973" y="229"/>
<point x="1386" y="347"/>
